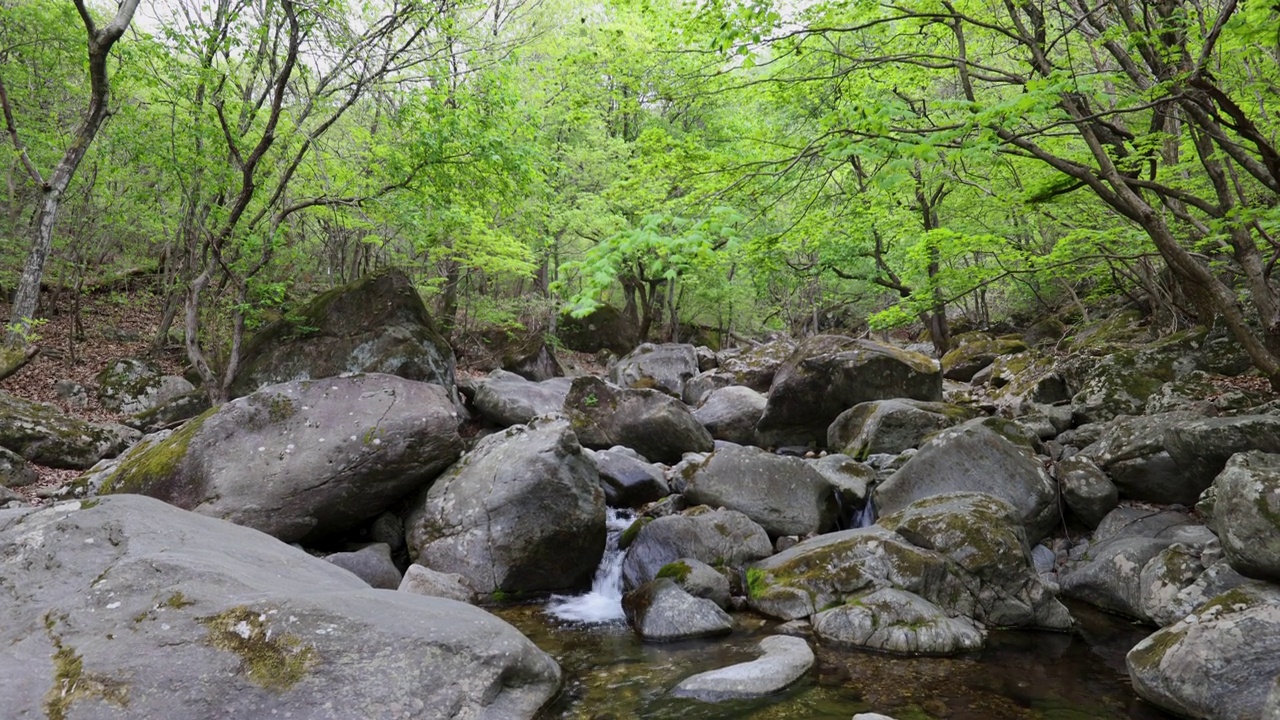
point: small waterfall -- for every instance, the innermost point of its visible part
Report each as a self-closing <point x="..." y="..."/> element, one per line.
<point x="603" y="603"/>
<point x="866" y="517"/>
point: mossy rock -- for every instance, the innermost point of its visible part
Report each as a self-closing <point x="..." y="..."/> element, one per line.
<point x="975" y="351"/>
<point x="47" y="436"/>
<point x="377" y="324"/>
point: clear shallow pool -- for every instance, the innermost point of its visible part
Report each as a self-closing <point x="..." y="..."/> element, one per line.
<point x="610" y="675"/>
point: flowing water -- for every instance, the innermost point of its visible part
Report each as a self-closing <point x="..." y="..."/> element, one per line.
<point x="603" y="604"/>
<point x="610" y="674"/>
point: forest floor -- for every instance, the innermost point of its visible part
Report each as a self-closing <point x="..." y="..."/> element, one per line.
<point x="117" y="324"/>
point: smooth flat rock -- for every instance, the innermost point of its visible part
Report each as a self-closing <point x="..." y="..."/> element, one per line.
<point x="784" y="660"/>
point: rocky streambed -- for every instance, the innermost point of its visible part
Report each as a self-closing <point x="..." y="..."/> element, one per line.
<point x="822" y="527"/>
<point x="610" y="673"/>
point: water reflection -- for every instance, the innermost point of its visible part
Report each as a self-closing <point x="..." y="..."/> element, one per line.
<point x="1019" y="676"/>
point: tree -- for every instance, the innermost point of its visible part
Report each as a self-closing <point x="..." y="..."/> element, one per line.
<point x="53" y="187"/>
<point x="1158" y="110"/>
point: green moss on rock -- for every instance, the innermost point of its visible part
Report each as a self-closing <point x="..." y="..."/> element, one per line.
<point x="72" y="683"/>
<point x="272" y="660"/>
<point x="678" y="571"/>
<point x="146" y="469"/>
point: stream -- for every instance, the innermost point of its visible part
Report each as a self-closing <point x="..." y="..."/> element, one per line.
<point x="610" y="674"/>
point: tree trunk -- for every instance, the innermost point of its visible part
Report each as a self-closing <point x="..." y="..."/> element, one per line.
<point x="27" y="300"/>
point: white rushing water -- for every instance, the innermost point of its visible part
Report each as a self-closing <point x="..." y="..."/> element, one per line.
<point x="603" y="604"/>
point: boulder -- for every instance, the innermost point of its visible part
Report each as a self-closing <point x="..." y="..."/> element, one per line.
<point x="132" y="385"/>
<point x="850" y="479"/>
<point x="131" y="608"/>
<point x="1218" y="663"/>
<point x="1216" y="579"/>
<point x="604" y="328"/>
<point x="1132" y="453"/>
<point x="421" y="580"/>
<point x="731" y="413"/>
<point x="1109" y="574"/>
<point x="975" y="457"/>
<point x="372" y="564"/>
<point x="664" y="367"/>
<point x="963" y="553"/>
<point x="783" y="660"/>
<point x="299" y="460"/>
<point x="720" y="538"/>
<point x="1121" y="382"/>
<point x="1247" y="509"/>
<point x="1026" y="381"/>
<point x="1163" y="578"/>
<point x="891" y="426"/>
<point x="376" y="324"/>
<point x="506" y="399"/>
<point x="784" y="495"/>
<point x="827" y="374"/>
<point x="755" y="367"/>
<point x="1201" y="446"/>
<point x="1188" y="394"/>
<point x="894" y="621"/>
<point x="170" y="413"/>
<point x="698" y="579"/>
<point x="974" y="351"/>
<point x="521" y="512"/>
<point x="524" y="353"/>
<point x="652" y="423"/>
<point x="45" y="435"/>
<point x="1087" y="491"/>
<point x="982" y="535"/>
<point x="661" y="611"/>
<point x="627" y="478"/>
<point x="15" y="471"/>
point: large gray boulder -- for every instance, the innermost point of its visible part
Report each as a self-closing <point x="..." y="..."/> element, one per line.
<point x="14" y="470"/>
<point x="755" y="367"/>
<point x="720" y="538"/>
<point x="982" y="535"/>
<point x="650" y="422"/>
<point x="299" y="460"/>
<point x="965" y="553"/>
<point x="974" y="351"/>
<point x="521" y="512"/>
<point x="1087" y="491"/>
<point x="1109" y="574"/>
<point x="1132" y="453"/>
<point x="731" y="413"/>
<point x="507" y="399"/>
<point x="1023" y="383"/>
<point x="132" y="385"/>
<point x="661" y="611"/>
<point x="664" y="367"/>
<point x="783" y="660"/>
<point x="1202" y="446"/>
<point x="125" y="607"/>
<point x="976" y="457"/>
<point x="830" y="569"/>
<point x="627" y="478"/>
<point x="45" y="435"/>
<point x="1218" y="663"/>
<point x="1122" y="381"/>
<point x="425" y="581"/>
<point x="1247" y="512"/>
<point x="900" y="622"/>
<point x="372" y="564"/>
<point x="603" y="328"/>
<point x="827" y="374"/>
<point x="784" y="495"/>
<point x="376" y="324"/>
<point x="891" y="426"/>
